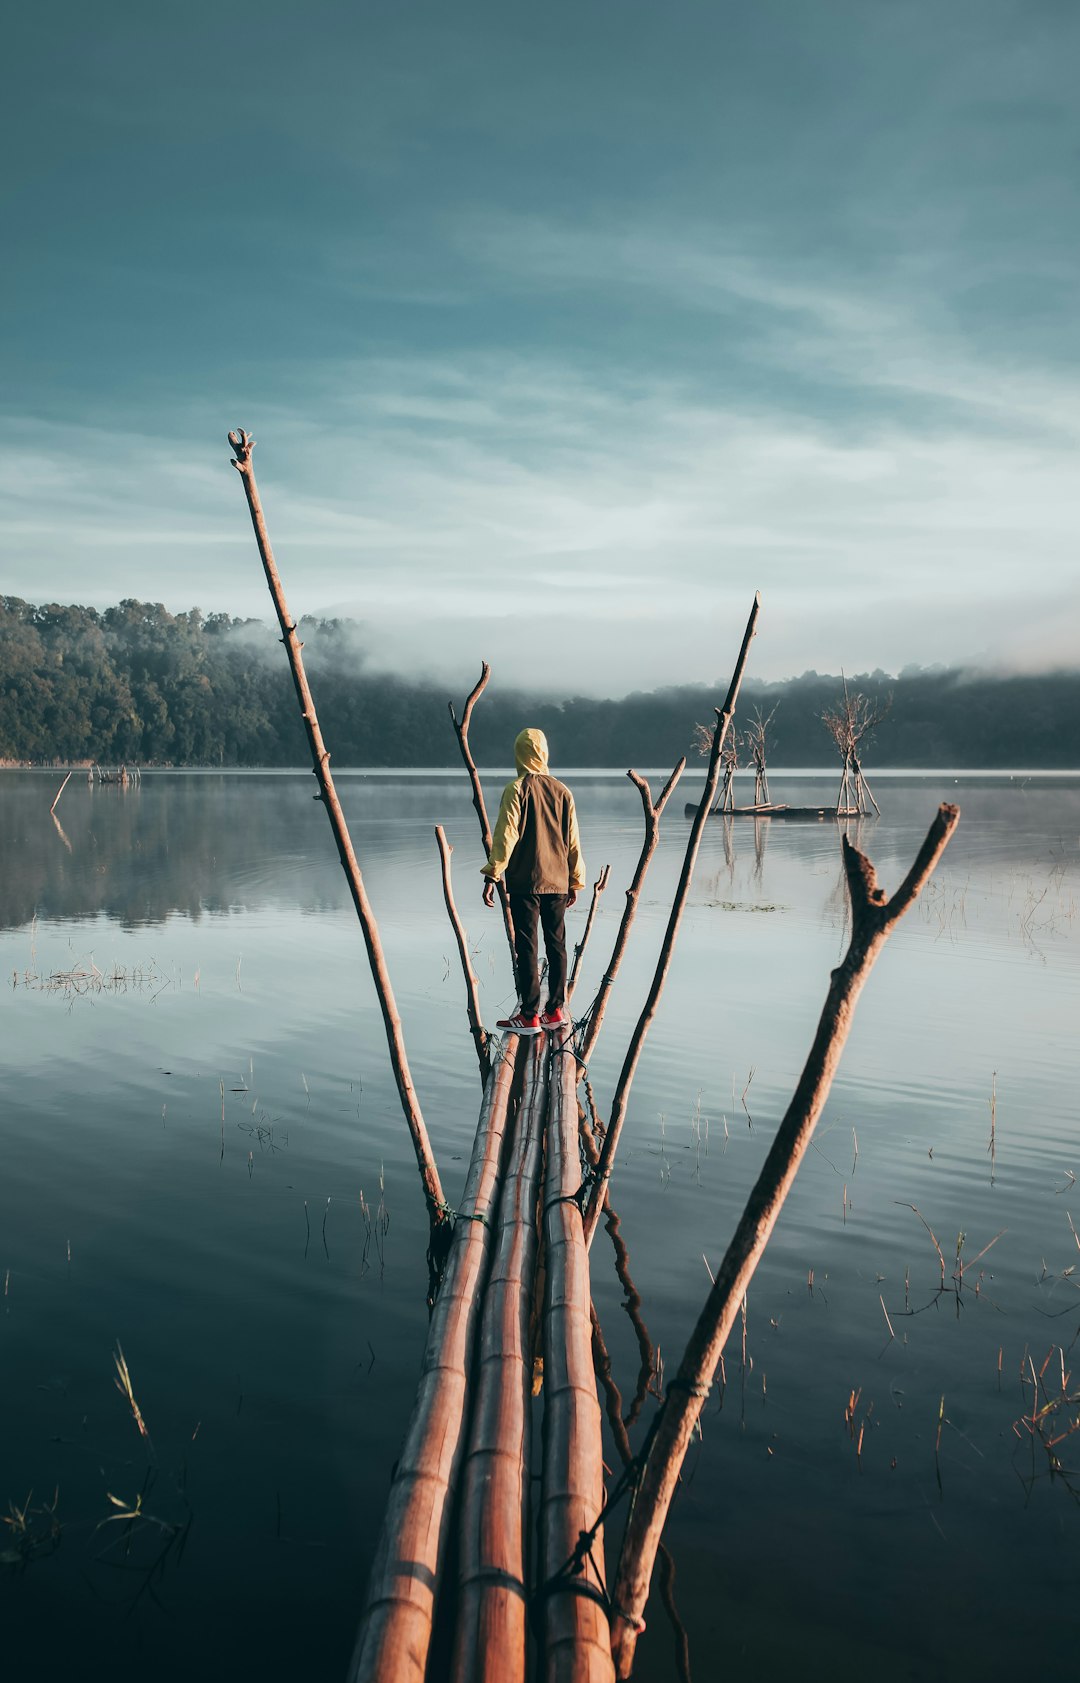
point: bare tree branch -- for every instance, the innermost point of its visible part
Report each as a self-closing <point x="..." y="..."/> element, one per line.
<point x="873" y="918"/>
<point x="243" y="445"/>
<point x="472" y="994"/>
<point x="653" y="813"/>
<point x="633" y="1054"/>
<point x="598" y="888"/>
<point x="461" y="731"/>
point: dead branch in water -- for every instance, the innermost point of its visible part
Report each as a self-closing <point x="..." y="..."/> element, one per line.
<point x="59" y="792"/>
<point x="472" y="995"/>
<point x="461" y="731"/>
<point x="633" y="1054"/>
<point x="243" y="445"/>
<point x="598" y="888"/>
<point x="653" y="812"/>
<point x="873" y="918"/>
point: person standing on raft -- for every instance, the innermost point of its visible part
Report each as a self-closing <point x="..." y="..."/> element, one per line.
<point x="537" y="850"/>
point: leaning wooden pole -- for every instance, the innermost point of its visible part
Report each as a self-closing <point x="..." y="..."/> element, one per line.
<point x="472" y="986"/>
<point x="243" y="445"/>
<point x="633" y="1054"/>
<point x="395" y="1633"/>
<point x="873" y="919"/>
<point x="577" y="1644"/>
<point x="491" y="1632"/>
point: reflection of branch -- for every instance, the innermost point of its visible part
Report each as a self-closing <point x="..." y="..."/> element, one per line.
<point x="613" y="1410"/>
<point x="630" y="1062"/>
<point x="60" y="830"/>
<point x="243" y="445"/>
<point x="667" y="1596"/>
<point x="631" y="1295"/>
<point x="461" y="731"/>
<point x="873" y="919"/>
<point x="633" y="893"/>
<point x="598" y="888"/>
<point x="476" y="1029"/>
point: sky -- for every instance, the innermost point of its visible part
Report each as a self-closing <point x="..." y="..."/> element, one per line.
<point x="562" y="329"/>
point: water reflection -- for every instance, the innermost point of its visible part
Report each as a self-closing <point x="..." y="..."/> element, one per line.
<point x="217" y="1175"/>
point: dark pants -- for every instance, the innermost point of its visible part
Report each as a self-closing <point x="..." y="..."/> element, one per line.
<point x="525" y="909"/>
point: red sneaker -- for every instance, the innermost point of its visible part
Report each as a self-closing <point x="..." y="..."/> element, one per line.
<point x="554" y="1018"/>
<point x="519" y="1023"/>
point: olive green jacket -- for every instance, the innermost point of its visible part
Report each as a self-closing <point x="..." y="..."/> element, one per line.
<point x="536" y="846"/>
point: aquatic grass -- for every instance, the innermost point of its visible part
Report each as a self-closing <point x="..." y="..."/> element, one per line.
<point x="32" y="1532"/>
<point x="127" y="1391"/>
<point x="1054" y="1414"/>
<point x="88" y="978"/>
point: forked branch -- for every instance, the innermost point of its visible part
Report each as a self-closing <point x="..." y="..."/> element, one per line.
<point x="472" y="986"/>
<point x="873" y="918"/>
<point x="461" y="731"/>
<point x="653" y="811"/>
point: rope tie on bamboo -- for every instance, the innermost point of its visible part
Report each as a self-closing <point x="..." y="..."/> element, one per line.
<point x="691" y="1390"/>
<point x="574" y="1198"/>
<point x="462" y="1215"/>
<point x="566" y="1577"/>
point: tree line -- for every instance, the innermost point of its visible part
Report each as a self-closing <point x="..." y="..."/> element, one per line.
<point x="137" y="684"/>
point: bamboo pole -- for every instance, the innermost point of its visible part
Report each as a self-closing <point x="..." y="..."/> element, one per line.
<point x="872" y="921"/>
<point x="598" y="888"/>
<point x="490" y="1638"/>
<point x="243" y="445"/>
<point x="461" y="731"/>
<point x="577" y="1646"/>
<point x="633" y="1053"/>
<point x="653" y="813"/>
<point x="472" y="986"/>
<point x="395" y="1632"/>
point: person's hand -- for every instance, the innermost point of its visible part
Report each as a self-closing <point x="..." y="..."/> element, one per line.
<point x="489" y="893"/>
<point x="571" y="898"/>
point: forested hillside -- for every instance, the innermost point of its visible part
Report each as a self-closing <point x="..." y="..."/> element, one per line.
<point x="136" y="683"/>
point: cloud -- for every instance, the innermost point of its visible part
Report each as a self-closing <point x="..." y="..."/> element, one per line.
<point x="898" y="492"/>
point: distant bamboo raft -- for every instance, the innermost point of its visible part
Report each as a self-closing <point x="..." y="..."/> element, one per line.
<point x="777" y="809"/>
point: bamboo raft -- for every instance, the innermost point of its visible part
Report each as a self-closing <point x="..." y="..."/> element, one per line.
<point x="467" y="1581"/>
<point x="777" y="809"/>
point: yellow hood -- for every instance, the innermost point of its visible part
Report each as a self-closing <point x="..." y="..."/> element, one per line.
<point x="531" y="751"/>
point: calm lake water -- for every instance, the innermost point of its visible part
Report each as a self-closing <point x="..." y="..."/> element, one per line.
<point x="204" y="1162"/>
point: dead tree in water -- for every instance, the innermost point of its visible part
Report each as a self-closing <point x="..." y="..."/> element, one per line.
<point x="756" y="739"/>
<point x="850" y="722"/>
<point x="873" y="918"/>
<point x="729" y="762"/>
